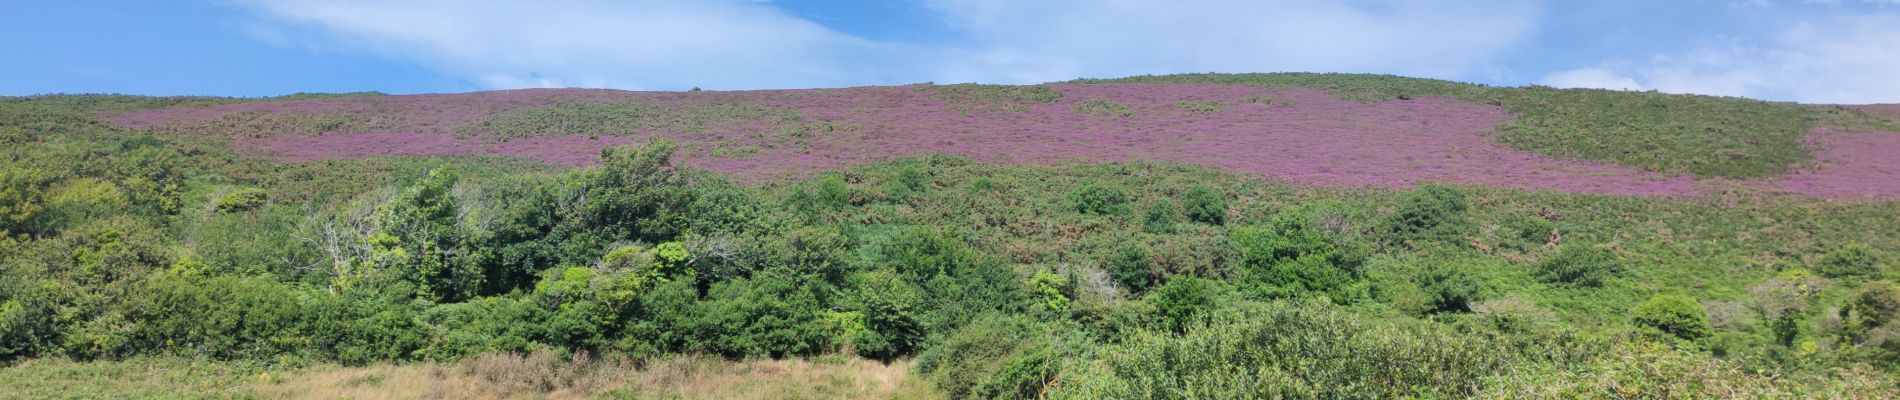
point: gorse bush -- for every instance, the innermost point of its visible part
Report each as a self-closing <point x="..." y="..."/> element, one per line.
<point x="1295" y="255"/>
<point x="1099" y="198"/>
<point x="1432" y="212"/>
<point x="1853" y="260"/>
<point x="241" y="200"/>
<point x="1102" y="108"/>
<point x="1205" y="205"/>
<point x="1580" y="265"/>
<point x="1676" y="315"/>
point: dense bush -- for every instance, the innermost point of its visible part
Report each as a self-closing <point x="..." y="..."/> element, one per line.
<point x="1579" y="265"/>
<point x="241" y="200"/>
<point x="1432" y="212"/>
<point x="1128" y="265"/>
<point x="1450" y="288"/>
<point x="1099" y="198"/>
<point x="1205" y="205"/>
<point x="1680" y="316"/>
<point x="1294" y="254"/>
<point x="1160" y="217"/>
<point x="1853" y="260"/>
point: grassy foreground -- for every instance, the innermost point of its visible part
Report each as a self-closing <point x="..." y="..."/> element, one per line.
<point x="492" y="376"/>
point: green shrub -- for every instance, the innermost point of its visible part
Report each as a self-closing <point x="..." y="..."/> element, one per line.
<point x="1160" y="217"/>
<point x="242" y="200"/>
<point x="1450" y="288"/>
<point x="1293" y="256"/>
<point x="1579" y="265"/>
<point x="1128" y="265"/>
<point x="1205" y="205"/>
<point x="1853" y="260"/>
<point x="1676" y="315"/>
<point x="1103" y="108"/>
<point x="892" y="309"/>
<point x="1100" y="198"/>
<point x="1431" y="212"/>
<point x="1877" y="304"/>
<point x="1183" y="300"/>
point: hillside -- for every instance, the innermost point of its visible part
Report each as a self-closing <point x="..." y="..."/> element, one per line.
<point x="1331" y="130"/>
<point x="1187" y="236"/>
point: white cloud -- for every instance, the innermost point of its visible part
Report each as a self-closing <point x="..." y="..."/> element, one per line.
<point x="735" y="44"/>
<point x="1847" y="59"/>
<point x="628" y="44"/>
<point x="1060" y="39"/>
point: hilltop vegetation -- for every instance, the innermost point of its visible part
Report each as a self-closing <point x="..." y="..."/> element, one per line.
<point x="1704" y="135"/>
<point x="135" y="250"/>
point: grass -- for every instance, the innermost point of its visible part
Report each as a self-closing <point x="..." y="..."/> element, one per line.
<point x="965" y="97"/>
<point x="1103" y="108"/>
<point x="491" y="376"/>
<point x="1703" y="135"/>
<point x="624" y="118"/>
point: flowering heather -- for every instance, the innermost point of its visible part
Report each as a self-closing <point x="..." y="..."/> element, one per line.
<point x="1849" y="165"/>
<point x="1296" y="134"/>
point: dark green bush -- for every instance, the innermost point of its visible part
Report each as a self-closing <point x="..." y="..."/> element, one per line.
<point x="1676" y="315"/>
<point x="1160" y="217"/>
<point x="1293" y="255"/>
<point x="1431" y="212"/>
<point x="1128" y="265"/>
<point x="1183" y="300"/>
<point x="1853" y="260"/>
<point x="1205" y="205"/>
<point x="1579" y="265"/>
<point x="1100" y="198"/>
<point x="1450" y="288"/>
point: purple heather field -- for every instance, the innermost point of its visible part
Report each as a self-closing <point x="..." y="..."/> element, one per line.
<point x="1299" y="135"/>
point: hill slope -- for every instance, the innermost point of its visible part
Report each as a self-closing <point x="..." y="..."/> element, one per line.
<point x="1332" y="130"/>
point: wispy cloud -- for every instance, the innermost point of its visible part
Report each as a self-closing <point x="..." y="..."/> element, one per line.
<point x="752" y="44"/>
<point x="1842" y="59"/>
<point x="1039" y="40"/>
<point x="627" y="44"/>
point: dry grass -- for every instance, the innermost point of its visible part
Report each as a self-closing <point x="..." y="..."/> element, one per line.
<point x="545" y="376"/>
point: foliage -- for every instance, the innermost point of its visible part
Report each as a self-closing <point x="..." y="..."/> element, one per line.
<point x="1204" y="205"/>
<point x="1671" y="133"/>
<point x="1432" y="212"/>
<point x="1676" y="315"/>
<point x="1579" y="265"/>
<point x="1294" y="254"/>
<point x="242" y="200"/>
<point x="1099" y="198"/>
<point x="1128" y="265"/>
<point x="1852" y="260"/>
<point x="996" y="98"/>
<point x="1103" y="108"/>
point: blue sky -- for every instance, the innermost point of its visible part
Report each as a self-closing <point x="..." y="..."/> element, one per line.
<point x="1805" y="50"/>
